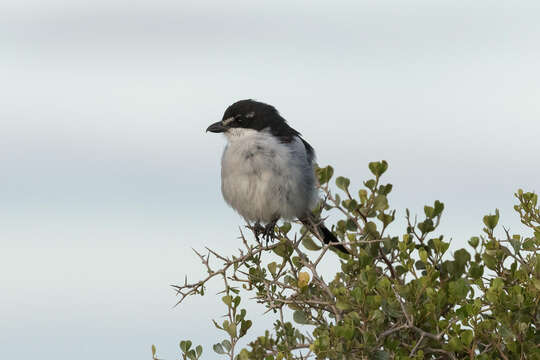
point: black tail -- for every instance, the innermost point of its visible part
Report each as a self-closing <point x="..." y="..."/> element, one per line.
<point x="328" y="238"/>
<point x="326" y="234"/>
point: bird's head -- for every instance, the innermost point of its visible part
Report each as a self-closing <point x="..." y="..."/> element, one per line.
<point x="247" y="115"/>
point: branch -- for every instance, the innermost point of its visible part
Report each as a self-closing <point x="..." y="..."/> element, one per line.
<point x="194" y="288"/>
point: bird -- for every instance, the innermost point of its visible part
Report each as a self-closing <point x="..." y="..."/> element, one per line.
<point x="268" y="170"/>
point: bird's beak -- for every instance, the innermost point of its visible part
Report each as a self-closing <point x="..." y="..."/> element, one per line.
<point x="217" y="127"/>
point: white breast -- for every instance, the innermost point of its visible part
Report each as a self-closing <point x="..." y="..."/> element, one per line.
<point x="264" y="179"/>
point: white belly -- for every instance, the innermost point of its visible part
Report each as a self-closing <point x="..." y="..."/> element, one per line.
<point x="264" y="180"/>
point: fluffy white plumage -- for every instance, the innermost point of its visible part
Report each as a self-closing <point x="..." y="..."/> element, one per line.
<point x="264" y="179"/>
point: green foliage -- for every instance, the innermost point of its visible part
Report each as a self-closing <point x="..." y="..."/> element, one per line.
<point x="400" y="296"/>
<point x="188" y="352"/>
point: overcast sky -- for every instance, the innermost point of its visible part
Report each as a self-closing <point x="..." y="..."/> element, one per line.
<point x="108" y="179"/>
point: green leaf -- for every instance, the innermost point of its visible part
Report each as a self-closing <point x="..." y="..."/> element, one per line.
<point x="199" y="350"/>
<point x="385" y="218"/>
<point x="231" y="329"/>
<point x="272" y="267"/>
<point x="429" y="211"/>
<point x="379" y="355"/>
<point x="244" y="355"/>
<point x="297" y="261"/>
<point x="476" y="271"/>
<point x="153" y="350"/>
<point x="370" y="184"/>
<point x="286" y="227"/>
<point x="380" y="203"/>
<point x="244" y="327"/>
<point x="371" y="228"/>
<point x="362" y="194"/>
<point x="227" y="299"/>
<point x="439" y="207"/>
<point x="467" y="337"/>
<point x="309" y="244"/>
<point x="226" y="345"/>
<point x="462" y="257"/>
<point x="343" y="183"/>
<point x="300" y="317"/>
<point x="490" y="261"/>
<point x="423" y="255"/>
<point x="385" y="189"/>
<point x="191" y="355"/>
<point x="536" y="283"/>
<point x="342" y="305"/>
<point x="350" y="204"/>
<point x="528" y="245"/>
<point x="284" y="249"/>
<point x="474" y="241"/>
<point x="458" y="289"/>
<point x="346" y="332"/>
<point x="218" y="348"/>
<point x="378" y="168"/>
<point x="516" y="244"/>
<point x="491" y="221"/>
<point x="185" y="345"/>
<point x="324" y="174"/>
<point x="303" y="279"/>
<point x="350" y="225"/>
<point x="497" y="284"/>
<point x="454" y="344"/>
<point x="426" y="226"/>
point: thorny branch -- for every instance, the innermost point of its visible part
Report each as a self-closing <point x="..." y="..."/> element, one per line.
<point x="282" y="284"/>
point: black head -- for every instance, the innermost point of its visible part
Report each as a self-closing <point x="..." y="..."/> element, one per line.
<point x="250" y="114"/>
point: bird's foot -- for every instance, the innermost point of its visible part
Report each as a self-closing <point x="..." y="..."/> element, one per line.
<point x="258" y="230"/>
<point x="265" y="233"/>
<point x="269" y="233"/>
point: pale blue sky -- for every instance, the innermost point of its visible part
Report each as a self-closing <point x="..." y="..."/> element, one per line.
<point x="108" y="178"/>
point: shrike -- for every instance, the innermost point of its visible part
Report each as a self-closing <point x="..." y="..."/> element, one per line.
<point x="267" y="169"/>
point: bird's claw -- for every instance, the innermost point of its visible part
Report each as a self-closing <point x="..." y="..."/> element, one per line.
<point x="257" y="229"/>
<point x="267" y="232"/>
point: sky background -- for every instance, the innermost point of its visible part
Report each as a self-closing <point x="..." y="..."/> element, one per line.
<point x="107" y="178"/>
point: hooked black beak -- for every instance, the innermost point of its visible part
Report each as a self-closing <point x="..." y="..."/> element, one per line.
<point x="217" y="127"/>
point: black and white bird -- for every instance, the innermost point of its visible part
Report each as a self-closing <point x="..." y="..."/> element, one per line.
<point x="267" y="169"/>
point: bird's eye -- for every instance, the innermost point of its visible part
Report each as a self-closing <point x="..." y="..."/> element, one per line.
<point x="238" y="119"/>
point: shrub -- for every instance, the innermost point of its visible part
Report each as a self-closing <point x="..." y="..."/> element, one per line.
<point x="393" y="297"/>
